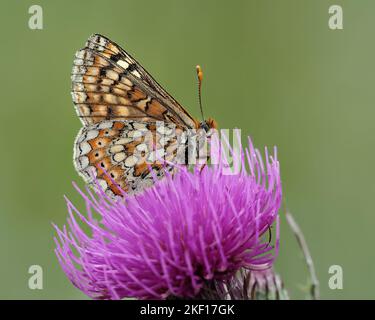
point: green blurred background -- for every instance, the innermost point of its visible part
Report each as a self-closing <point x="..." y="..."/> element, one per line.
<point x="272" y="68"/>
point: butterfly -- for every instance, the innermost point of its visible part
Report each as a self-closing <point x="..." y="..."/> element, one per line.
<point x="127" y="119"/>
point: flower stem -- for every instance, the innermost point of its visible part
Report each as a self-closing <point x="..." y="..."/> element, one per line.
<point x="314" y="289"/>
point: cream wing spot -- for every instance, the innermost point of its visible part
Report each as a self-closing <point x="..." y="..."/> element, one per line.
<point x="118" y="157"/>
<point x="90" y="79"/>
<point x="116" y="148"/>
<point x="105" y="125"/>
<point x="84" y="148"/>
<point x="79" y="97"/>
<point x="123" y="64"/>
<point x="137" y="134"/>
<point x="102" y="183"/>
<point x="131" y="161"/>
<point x="126" y="82"/>
<point x="91" y="134"/>
<point x="112" y="75"/>
<point x="142" y="147"/>
<point x="161" y="129"/>
<point x="78" y="62"/>
<point x="139" y="126"/>
<point x="76" y="78"/>
<point x="80" y="54"/>
<point x="77" y="86"/>
<point x="124" y="141"/>
<point x="136" y="74"/>
<point x="79" y="70"/>
<point x="82" y="162"/>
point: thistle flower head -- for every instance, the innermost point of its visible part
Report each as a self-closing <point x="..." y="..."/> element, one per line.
<point x="186" y="231"/>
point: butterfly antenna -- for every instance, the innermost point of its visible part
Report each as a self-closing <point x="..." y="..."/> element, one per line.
<point x="200" y="78"/>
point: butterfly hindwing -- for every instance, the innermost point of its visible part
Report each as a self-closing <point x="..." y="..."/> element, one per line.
<point x="121" y="153"/>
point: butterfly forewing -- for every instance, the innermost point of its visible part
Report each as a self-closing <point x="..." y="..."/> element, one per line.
<point x="107" y="83"/>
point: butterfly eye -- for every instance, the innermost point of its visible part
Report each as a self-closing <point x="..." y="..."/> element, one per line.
<point x="204" y="126"/>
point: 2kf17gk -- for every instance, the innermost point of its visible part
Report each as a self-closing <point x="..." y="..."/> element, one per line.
<point x="209" y="309"/>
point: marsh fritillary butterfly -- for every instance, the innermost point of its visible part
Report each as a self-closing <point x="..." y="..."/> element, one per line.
<point x="127" y="118"/>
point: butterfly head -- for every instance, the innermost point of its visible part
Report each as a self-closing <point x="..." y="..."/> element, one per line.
<point x="208" y="124"/>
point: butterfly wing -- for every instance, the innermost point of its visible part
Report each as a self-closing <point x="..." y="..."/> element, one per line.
<point x="121" y="153"/>
<point x="107" y="83"/>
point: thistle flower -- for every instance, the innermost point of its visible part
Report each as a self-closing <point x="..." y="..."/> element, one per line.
<point x="181" y="238"/>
